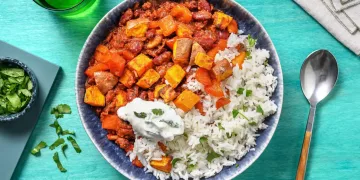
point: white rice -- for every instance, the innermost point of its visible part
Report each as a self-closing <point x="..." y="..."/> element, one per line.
<point x="254" y="76"/>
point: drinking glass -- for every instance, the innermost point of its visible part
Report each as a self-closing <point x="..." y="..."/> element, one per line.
<point x="65" y="6"/>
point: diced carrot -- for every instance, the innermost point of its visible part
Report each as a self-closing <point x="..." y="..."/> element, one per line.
<point x="163" y="165"/>
<point x="168" y="25"/>
<point x="126" y="54"/>
<point x="202" y="75"/>
<point x="95" y="68"/>
<point x="162" y="146"/>
<point x="214" y="89"/>
<point x="170" y="43"/>
<point x="181" y="13"/>
<point x="222" y="102"/>
<point x="239" y="59"/>
<point x="199" y="106"/>
<point x="110" y="122"/>
<point x="153" y="24"/>
<point x="136" y="162"/>
<point x="220" y="46"/>
<point x="233" y="27"/>
<point x="116" y="64"/>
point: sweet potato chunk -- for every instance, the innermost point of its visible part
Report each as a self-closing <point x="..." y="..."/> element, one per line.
<point x="174" y="75"/>
<point x="121" y="99"/>
<point x="105" y="81"/>
<point x="148" y="79"/>
<point x="167" y="25"/>
<point x="184" y="31"/>
<point x="94" y="97"/>
<point x="182" y="50"/>
<point x="116" y="64"/>
<point x="222" y="70"/>
<point x="128" y="78"/>
<point x="102" y="54"/>
<point x="233" y="27"/>
<point x="196" y="48"/>
<point x="204" y="61"/>
<point x="170" y="43"/>
<point x="163" y="165"/>
<point x="110" y="122"/>
<point x="186" y="100"/>
<point x="167" y="93"/>
<point x="181" y="13"/>
<point x="221" y="20"/>
<point x="140" y="64"/>
<point x="137" y="27"/>
<point x="239" y="59"/>
<point x="157" y="90"/>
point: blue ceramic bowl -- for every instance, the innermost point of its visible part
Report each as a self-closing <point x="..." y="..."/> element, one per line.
<point x="116" y="156"/>
<point x="16" y="63"/>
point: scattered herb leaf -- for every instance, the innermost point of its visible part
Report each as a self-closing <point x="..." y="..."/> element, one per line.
<point x="74" y="144"/>
<point x="245" y="108"/>
<point x="212" y="155"/>
<point x="37" y="149"/>
<point x="248" y="54"/>
<point x="174" y="161"/>
<point x="228" y="135"/>
<point x="63" y="148"/>
<point x="252" y="123"/>
<point x="266" y="62"/>
<point x="57" y="127"/>
<point x="220" y="126"/>
<point x="60" y="110"/>
<point x="259" y="109"/>
<point x="248" y="93"/>
<point x="57" y="143"/>
<point x="191" y="167"/>
<point x="240" y="91"/>
<point x="67" y="132"/>
<point x="203" y="140"/>
<point x="243" y="116"/>
<point x="58" y="163"/>
<point x="140" y="115"/>
<point x="251" y="41"/>
<point x="237" y="165"/>
<point x="235" y="113"/>
<point x="157" y="112"/>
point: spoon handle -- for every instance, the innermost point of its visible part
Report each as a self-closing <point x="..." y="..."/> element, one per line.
<point x="300" y="175"/>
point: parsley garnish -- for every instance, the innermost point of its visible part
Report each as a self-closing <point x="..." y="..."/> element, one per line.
<point x="67" y="132"/>
<point x="57" y="127"/>
<point x="37" y="149"/>
<point x="252" y="123"/>
<point x="157" y="112"/>
<point x="212" y="155"/>
<point x="237" y="165"/>
<point x="243" y="116"/>
<point x="240" y="91"/>
<point x="191" y="167"/>
<point x="220" y="126"/>
<point x="251" y="41"/>
<point x="58" y="163"/>
<point x="57" y="143"/>
<point x="235" y="113"/>
<point x="248" y="93"/>
<point x="74" y="144"/>
<point x="248" y="54"/>
<point x="63" y="148"/>
<point x="203" y="140"/>
<point x="174" y="161"/>
<point x="60" y="110"/>
<point x="259" y="109"/>
<point x="140" y="115"/>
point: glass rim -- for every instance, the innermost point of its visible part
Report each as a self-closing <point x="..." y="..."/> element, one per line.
<point x="60" y="10"/>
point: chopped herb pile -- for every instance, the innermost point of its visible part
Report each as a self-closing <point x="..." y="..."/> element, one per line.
<point x="158" y="112"/>
<point x="140" y="115"/>
<point x="59" y="112"/>
<point x="212" y="155"/>
<point x="15" y="90"/>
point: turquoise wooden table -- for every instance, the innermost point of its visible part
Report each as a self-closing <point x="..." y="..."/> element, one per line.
<point x="335" y="149"/>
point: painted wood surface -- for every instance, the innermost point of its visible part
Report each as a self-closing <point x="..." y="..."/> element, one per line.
<point x="335" y="149"/>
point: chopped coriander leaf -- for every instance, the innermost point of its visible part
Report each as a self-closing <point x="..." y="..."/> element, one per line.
<point x="174" y="161"/>
<point x="13" y="72"/>
<point x="266" y="62"/>
<point x="228" y="135"/>
<point x="57" y="127"/>
<point x="243" y="116"/>
<point x="58" y="163"/>
<point x="37" y="148"/>
<point x="140" y="115"/>
<point x="252" y="123"/>
<point x="63" y="148"/>
<point x="237" y="165"/>
<point x="220" y="126"/>
<point x="251" y="41"/>
<point x="57" y="143"/>
<point x="157" y="112"/>
<point x="67" y="132"/>
<point x="248" y="93"/>
<point x="245" y="108"/>
<point x="235" y="113"/>
<point x="212" y="155"/>
<point x="74" y="144"/>
<point x="60" y="110"/>
<point x="259" y="109"/>
<point x="248" y="54"/>
<point x="191" y="167"/>
<point x="240" y="91"/>
<point x="203" y="140"/>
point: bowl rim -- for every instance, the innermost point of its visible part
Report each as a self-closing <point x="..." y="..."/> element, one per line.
<point x="31" y="74"/>
<point x="260" y="149"/>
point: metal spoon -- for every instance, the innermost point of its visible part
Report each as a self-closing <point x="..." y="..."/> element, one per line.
<point x="318" y="76"/>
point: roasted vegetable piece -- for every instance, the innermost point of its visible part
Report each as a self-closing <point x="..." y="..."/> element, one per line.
<point x="162" y="58"/>
<point x="95" y="68"/>
<point x="222" y="102"/>
<point x="199" y="106"/>
<point x="140" y="64"/>
<point x="105" y="81"/>
<point x="121" y="99"/>
<point x="167" y="25"/>
<point x="181" y="13"/>
<point x="239" y="59"/>
<point x="204" y="61"/>
<point x="126" y="54"/>
<point x="153" y="24"/>
<point x="163" y="165"/>
<point x="202" y="75"/>
<point x="220" y="46"/>
<point x="214" y="89"/>
<point x="154" y="42"/>
<point x="110" y="122"/>
<point x="102" y="54"/>
<point x="167" y="93"/>
<point x="233" y="27"/>
<point x="196" y="48"/>
<point x="162" y="146"/>
<point x="128" y="78"/>
<point x="186" y="100"/>
<point x="116" y="64"/>
<point x="221" y="20"/>
<point x="136" y="162"/>
<point x="148" y="79"/>
<point x="182" y="50"/>
<point x="94" y="97"/>
<point x="174" y="75"/>
<point x="137" y="27"/>
<point x="222" y="70"/>
<point x="170" y="43"/>
<point x="157" y="90"/>
<point x="184" y="31"/>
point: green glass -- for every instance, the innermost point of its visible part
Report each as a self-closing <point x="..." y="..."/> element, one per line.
<point x="65" y="6"/>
